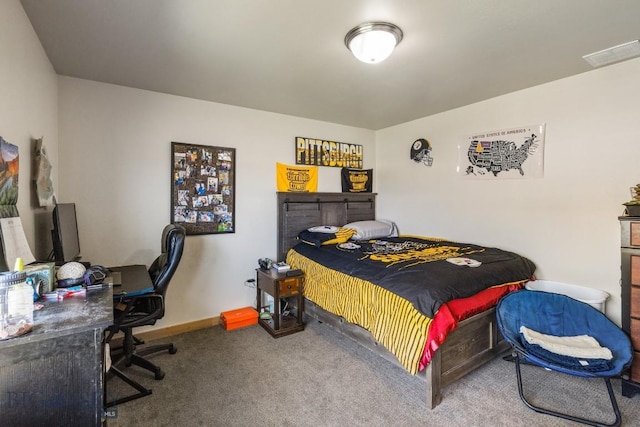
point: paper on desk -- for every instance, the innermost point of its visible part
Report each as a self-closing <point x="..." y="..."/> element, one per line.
<point x="14" y="241"/>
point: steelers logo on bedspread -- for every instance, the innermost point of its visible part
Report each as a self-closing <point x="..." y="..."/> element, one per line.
<point x="406" y="254"/>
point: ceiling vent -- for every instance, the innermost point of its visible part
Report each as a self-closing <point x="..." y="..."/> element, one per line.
<point x="614" y="54"/>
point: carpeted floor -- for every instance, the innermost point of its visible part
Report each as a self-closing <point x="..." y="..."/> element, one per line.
<point x="320" y="378"/>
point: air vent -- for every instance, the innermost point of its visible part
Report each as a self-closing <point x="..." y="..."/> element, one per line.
<point x="614" y="54"/>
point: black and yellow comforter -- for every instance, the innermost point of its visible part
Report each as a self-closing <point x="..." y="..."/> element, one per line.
<point x="393" y="287"/>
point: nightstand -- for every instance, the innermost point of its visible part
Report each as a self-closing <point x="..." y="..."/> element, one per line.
<point x="279" y="285"/>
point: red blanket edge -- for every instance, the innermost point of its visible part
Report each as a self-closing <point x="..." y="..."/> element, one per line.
<point x="449" y="314"/>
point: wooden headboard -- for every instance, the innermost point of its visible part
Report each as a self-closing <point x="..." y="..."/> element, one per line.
<point x="299" y="211"/>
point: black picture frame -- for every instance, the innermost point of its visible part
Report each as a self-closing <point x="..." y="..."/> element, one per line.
<point x="203" y="188"/>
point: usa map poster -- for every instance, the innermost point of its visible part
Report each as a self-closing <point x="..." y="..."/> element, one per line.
<point x="515" y="153"/>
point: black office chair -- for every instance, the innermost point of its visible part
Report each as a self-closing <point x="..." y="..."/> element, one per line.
<point x="143" y="310"/>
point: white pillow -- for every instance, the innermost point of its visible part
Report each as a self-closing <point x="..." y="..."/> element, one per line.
<point x="366" y="230"/>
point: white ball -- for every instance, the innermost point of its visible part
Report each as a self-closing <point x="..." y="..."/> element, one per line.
<point x="71" y="270"/>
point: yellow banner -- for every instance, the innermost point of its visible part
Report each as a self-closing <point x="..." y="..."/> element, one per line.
<point x="297" y="178"/>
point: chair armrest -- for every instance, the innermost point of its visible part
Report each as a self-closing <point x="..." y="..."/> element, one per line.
<point x="138" y="310"/>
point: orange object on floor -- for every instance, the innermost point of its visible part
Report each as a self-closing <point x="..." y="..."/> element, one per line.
<point x="239" y="318"/>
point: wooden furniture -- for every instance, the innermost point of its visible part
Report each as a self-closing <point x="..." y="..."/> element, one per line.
<point x="53" y="376"/>
<point x="279" y="285"/>
<point x="298" y="211"/>
<point x="473" y="343"/>
<point x="630" y="252"/>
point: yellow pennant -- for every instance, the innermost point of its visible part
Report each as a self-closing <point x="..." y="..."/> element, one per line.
<point x="297" y="178"/>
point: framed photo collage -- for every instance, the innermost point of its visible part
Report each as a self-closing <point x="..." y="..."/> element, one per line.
<point x="203" y="188"/>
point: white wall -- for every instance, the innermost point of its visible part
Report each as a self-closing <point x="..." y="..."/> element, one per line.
<point x="28" y="110"/>
<point x="566" y="222"/>
<point x="115" y="163"/>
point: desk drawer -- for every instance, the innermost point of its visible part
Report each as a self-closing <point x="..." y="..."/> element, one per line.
<point x="289" y="286"/>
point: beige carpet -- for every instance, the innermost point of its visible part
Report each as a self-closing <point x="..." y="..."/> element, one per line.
<point x="320" y="378"/>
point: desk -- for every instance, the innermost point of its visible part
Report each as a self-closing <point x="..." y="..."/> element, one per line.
<point x="53" y="376"/>
<point x="134" y="280"/>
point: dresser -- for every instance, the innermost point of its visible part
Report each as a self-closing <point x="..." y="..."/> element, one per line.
<point x="630" y="252"/>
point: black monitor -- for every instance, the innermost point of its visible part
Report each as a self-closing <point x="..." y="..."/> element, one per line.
<point x="66" y="243"/>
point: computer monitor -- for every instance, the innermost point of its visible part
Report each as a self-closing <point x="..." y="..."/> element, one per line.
<point x="66" y="243"/>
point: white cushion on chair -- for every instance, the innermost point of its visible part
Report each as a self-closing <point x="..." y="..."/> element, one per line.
<point x="582" y="346"/>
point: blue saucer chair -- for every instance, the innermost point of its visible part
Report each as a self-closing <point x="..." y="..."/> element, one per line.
<point x="561" y="316"/>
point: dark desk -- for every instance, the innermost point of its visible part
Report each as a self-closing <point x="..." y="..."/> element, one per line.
<point x="53" y="376"/>
<point x="134" y="280"/>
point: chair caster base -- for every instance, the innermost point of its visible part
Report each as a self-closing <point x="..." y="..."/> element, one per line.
<point x="142" y="391"/>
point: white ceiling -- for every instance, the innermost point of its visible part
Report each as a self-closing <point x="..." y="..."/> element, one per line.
<point x="288" y="56"/>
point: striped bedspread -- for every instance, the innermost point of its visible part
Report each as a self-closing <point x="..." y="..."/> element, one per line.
<point x="394" y="288"/>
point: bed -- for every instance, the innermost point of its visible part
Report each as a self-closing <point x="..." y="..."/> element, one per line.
<point x="442" y="337"/>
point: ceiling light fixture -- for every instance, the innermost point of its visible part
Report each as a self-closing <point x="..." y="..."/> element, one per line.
<point x="373" y="42"/>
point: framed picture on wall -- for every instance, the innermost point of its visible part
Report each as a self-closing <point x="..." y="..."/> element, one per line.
<point x="203" y="188"/>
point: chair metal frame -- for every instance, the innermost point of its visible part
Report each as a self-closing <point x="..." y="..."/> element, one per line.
<point x="616" y="423"/>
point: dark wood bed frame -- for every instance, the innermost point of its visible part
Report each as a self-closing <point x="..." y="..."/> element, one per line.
<point x="473" y="343"/>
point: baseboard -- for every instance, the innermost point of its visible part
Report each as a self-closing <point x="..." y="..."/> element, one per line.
<point x="172" y="330"/>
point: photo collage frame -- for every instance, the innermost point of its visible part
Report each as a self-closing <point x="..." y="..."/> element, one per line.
<point x="203" y="188"/>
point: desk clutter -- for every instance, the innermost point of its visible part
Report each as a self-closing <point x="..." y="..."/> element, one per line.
<point x="16" y="304"/>
<point x="58" y="366"/>
<point x="75" y="273"/>
<point x="57" y="335"/>
<point x="24" y="285"/>
<point x="41" y="277"/>
<point x="62" y="293"/>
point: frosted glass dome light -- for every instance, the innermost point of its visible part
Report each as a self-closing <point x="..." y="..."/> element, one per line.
<point x="373" y="42"/>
